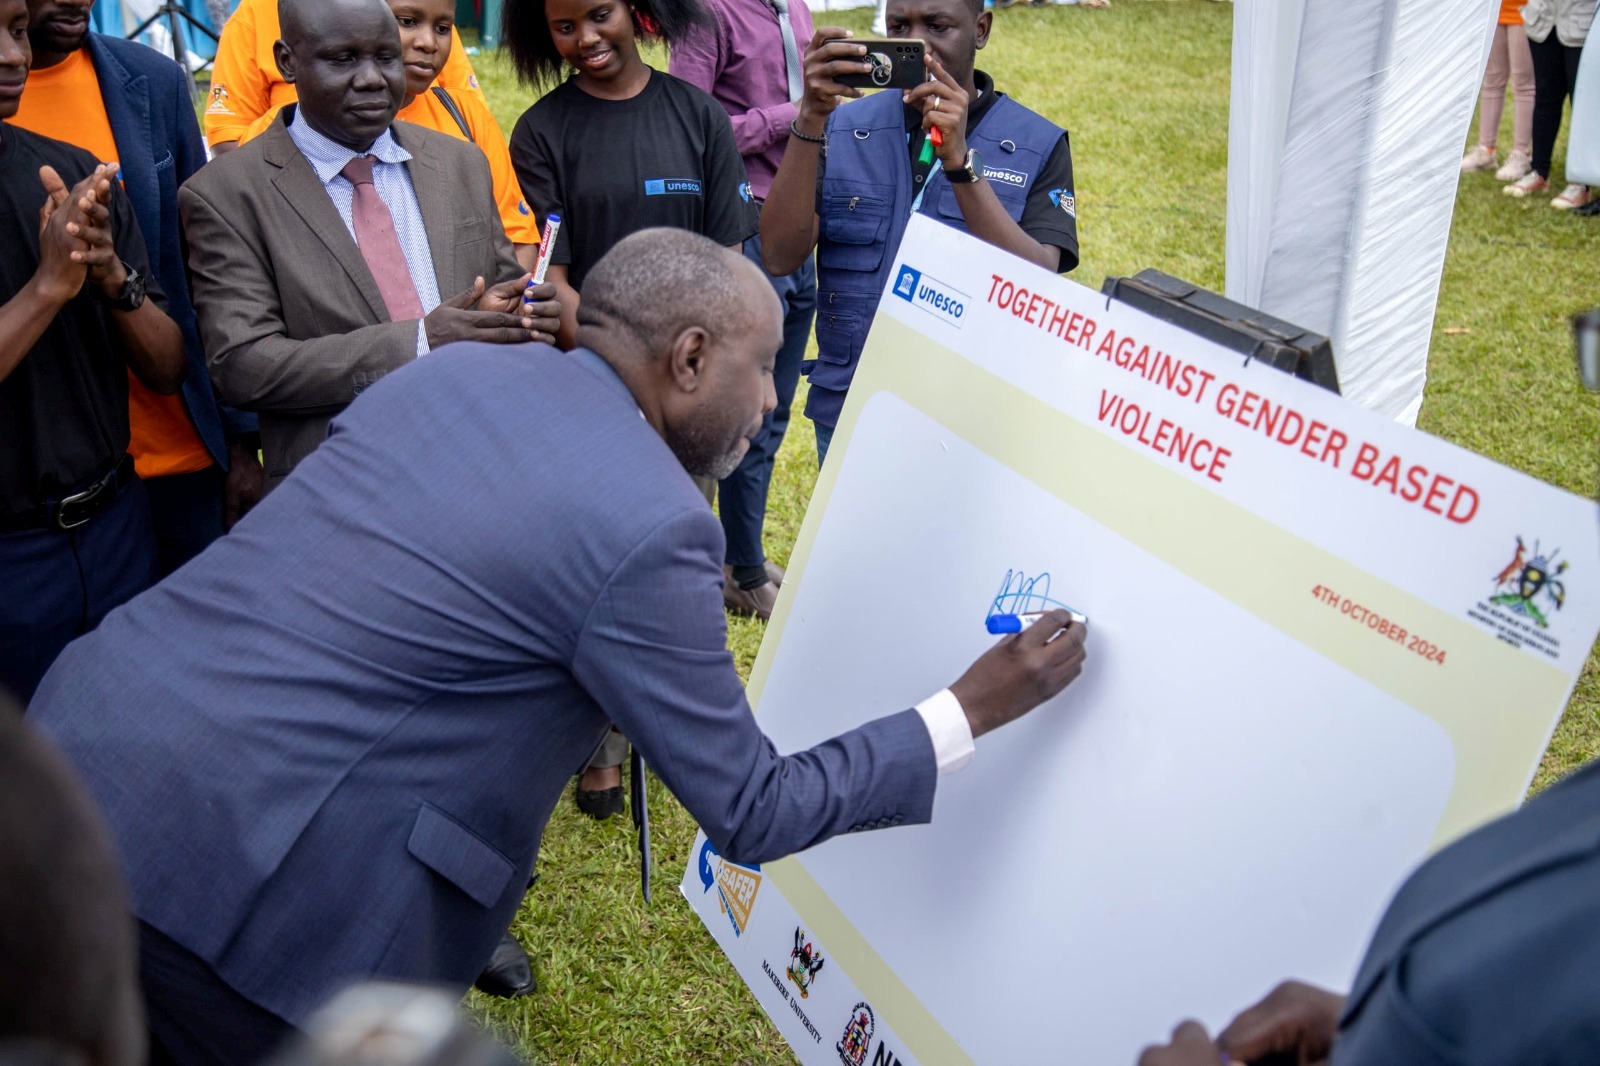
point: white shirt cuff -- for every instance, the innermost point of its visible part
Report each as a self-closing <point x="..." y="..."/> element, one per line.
<point x="948" y="729"/>
<point x="422" y="338"/>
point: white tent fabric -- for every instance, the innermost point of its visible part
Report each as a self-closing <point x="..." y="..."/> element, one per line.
<point x="1344" y="141"/>
<point x="1266" y="38"/>
<point x="1583" y="143"/>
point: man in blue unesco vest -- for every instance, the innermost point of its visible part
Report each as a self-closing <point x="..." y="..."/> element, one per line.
<point x="852" y="176"/>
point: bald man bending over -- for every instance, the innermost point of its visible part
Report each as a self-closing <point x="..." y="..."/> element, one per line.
<point x="341" y="244"/>
<point x="347" y="774"/>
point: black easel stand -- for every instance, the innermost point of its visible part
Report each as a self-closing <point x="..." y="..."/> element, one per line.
<point x="641" y="820"/>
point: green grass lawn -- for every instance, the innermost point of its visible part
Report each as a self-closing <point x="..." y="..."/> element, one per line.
<point x="1143" y="87"/>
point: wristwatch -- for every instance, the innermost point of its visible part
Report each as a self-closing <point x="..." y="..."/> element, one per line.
<point x="131" y="298"/>
<point x="967" y="173"/>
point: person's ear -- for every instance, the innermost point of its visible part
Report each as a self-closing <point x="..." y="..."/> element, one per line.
<point x="686" y="363"/>
<point x="985" y="24"/>
<point x="283" y="55"/>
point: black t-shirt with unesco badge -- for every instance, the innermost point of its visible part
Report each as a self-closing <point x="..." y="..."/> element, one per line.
<point x="609" y="168"/>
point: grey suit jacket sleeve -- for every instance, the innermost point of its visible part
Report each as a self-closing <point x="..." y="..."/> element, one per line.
<point x="254" y="364"/>
<point x="653" y="653"/>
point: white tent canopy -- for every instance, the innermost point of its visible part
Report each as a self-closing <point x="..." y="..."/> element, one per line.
<point x="1583" y="142"/>
<point x="1343" y="158"/>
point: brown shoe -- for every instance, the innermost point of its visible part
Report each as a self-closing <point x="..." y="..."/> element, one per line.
<point x="774" y="573"/>
<point x="757" y="601"/>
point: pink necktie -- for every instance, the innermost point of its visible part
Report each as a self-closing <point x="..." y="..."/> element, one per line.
<point x="379" y="246"/>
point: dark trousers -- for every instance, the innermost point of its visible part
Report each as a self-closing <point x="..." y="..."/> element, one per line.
<point x="824" y="442"/>
<point x="56" y="585"/>
<point x="742" y="500"/>
<point x="186" y="510"/>
<point x="1555" y="75"/>
<point x="195" y="1017"/>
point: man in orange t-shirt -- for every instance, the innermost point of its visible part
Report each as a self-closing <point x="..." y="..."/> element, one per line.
<point x="428" y="35"/>
<point x="123" y="102"/>
<point x="245" y="83"/>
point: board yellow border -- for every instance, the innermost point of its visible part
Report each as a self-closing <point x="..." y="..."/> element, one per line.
<point x="1490" y="698"/>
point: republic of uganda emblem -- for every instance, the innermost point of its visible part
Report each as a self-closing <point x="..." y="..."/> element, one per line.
<point x="1525" y="583"/>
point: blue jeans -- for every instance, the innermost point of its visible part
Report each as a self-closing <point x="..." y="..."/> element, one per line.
<point x="743" y="493"/>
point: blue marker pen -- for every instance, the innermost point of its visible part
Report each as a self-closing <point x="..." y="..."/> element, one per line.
<point x="1000" y="624"/>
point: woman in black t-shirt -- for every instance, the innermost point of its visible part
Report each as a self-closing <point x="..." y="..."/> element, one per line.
<point x="614" y="149"/>
<point x="618" y="147"/>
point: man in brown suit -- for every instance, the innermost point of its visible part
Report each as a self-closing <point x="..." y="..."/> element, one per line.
<point x="320" y="251"/>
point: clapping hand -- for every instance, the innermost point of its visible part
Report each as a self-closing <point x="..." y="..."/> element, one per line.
<point x="90" y="200"/>
<point x="61" y="271"/>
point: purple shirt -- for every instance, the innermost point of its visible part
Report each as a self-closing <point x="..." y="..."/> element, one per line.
<point x="741" y="65"/>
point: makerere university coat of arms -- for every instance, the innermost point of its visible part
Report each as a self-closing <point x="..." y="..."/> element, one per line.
<point x="804" y="963"/>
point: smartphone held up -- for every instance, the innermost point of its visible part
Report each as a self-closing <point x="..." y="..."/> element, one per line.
<point x="896" y="64"/>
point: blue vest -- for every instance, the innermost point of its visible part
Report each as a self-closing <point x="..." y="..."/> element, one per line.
<point x="864" y="206"/>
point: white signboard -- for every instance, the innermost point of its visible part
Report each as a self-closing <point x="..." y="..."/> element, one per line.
<point x="1320" y="645"/>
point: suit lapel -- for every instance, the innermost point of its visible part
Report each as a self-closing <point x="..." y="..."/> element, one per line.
<point x="126" y="98"/>
<point x="437" y="200"/>
<point x="297" y="183"/>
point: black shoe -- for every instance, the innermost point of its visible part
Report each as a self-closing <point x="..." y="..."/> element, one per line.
<point x="1590" y="208"/>
<point x="509" y="973"/>
<point x="600" y="804"/>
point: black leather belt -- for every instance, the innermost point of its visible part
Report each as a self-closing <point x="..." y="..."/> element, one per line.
<point x="74" y="510"/>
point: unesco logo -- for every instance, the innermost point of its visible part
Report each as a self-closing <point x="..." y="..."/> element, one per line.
<point x="931" y="295"/>
<point x="1010" y="177"/>
<point x="671" y="186"/>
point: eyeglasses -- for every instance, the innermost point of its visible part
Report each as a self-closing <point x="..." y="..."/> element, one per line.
<point x="1586" y="336"/>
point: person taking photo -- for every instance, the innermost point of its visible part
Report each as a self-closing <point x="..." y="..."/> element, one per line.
<point x="853" y="175"/>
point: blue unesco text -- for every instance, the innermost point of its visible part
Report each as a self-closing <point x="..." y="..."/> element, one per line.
<point x="933" y="296"/>
<point x="668" y="186"/>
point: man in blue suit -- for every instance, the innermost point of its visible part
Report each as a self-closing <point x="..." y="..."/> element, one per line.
<point x="329" y="746"/>
<point x="127" y="103"/>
